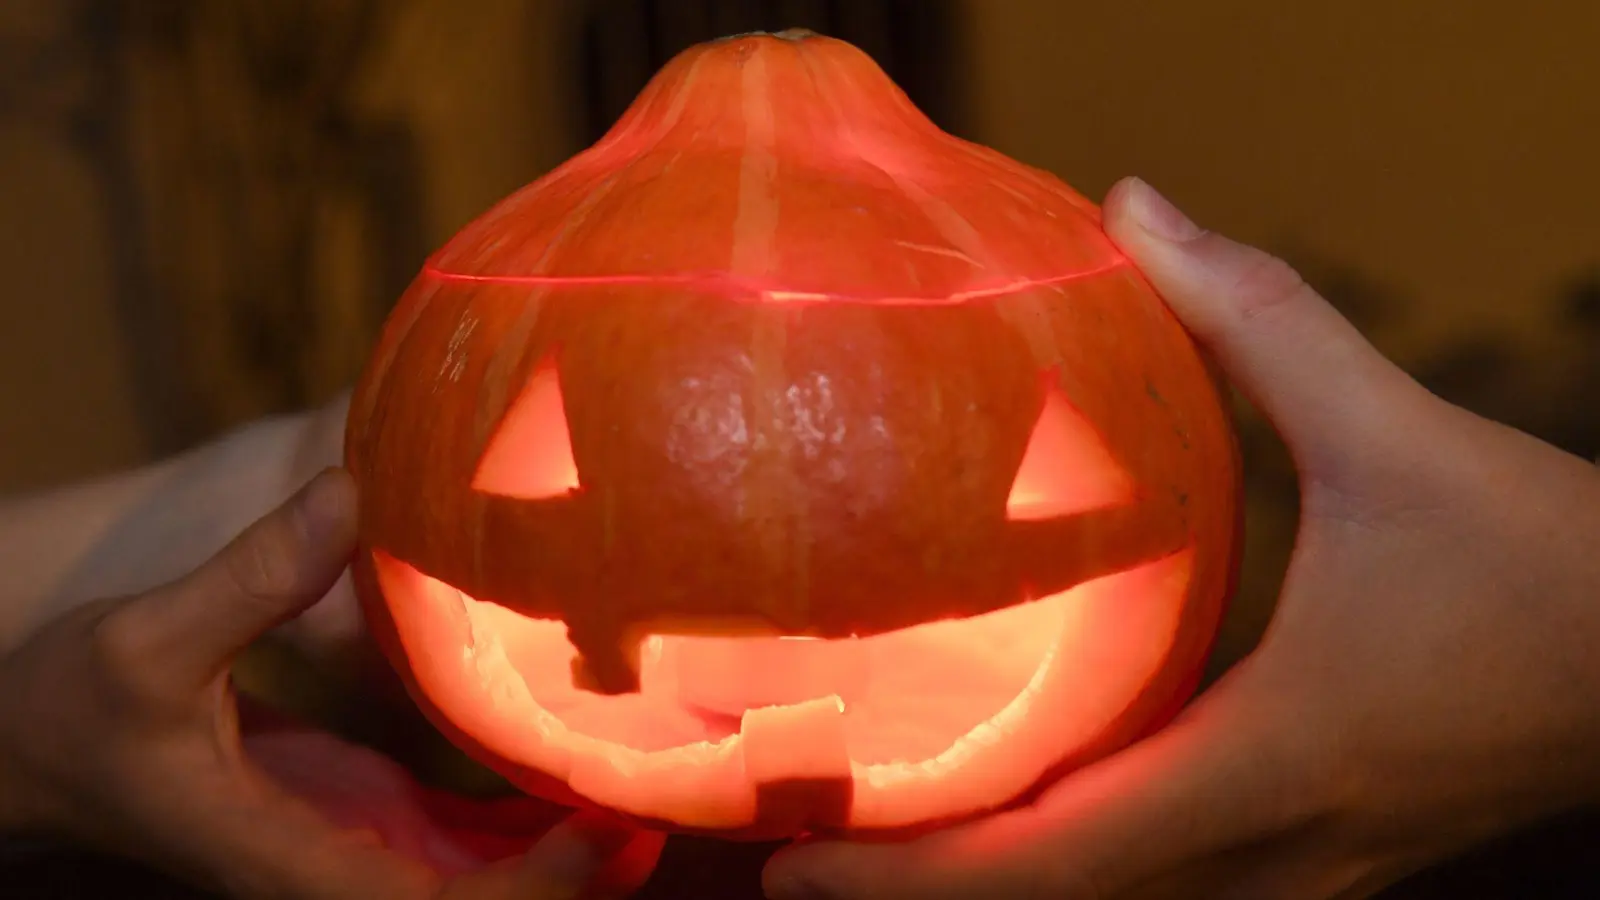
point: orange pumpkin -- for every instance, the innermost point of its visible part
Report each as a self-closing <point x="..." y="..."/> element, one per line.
<point x="782" y="463"/>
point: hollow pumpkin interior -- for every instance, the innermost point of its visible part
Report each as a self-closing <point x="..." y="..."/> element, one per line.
<point x="930" y="722"/>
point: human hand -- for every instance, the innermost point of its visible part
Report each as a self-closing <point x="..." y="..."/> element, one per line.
<point x="119" y="729"/>
<point x="1428" y="680"/>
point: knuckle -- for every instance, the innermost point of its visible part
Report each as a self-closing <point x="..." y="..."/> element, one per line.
<point x="264" y="567"/>
<point x="1266" y="285"/>
<point x="121" y="647"/>
<point x="118" y="641"/>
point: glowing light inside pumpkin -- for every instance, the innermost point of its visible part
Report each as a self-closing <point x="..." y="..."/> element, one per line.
<point x="1066" y="468"/>
<point x="728" y="675"/>
<point x="848" y="197"/>
<point x="889" y="712"/>
<point x="944" y="704"/>
<point x="530" y="457"/>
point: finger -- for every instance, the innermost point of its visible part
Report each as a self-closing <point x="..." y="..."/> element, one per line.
<point x="251" y="839"/>
<point x="356" y="787"/>
<point x="1302" y="363"/>
<point x="589" y="855"/>
<point x="1186" y="794"/>
<point x="1306" y="865"/>
<point x="274" y="570"/>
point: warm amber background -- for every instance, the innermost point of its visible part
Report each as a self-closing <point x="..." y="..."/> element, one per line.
<point x="206" y="206"/>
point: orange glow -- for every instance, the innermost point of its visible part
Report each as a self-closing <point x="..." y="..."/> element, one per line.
<point x="530" y="457"/>
<point x="830" y="371"/>
<point x="941" y="702"/>
<point x="1066" y="468"/>
<point x="728" y="675"/>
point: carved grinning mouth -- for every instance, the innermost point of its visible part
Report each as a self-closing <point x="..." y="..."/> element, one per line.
<point x="948" y="702"/>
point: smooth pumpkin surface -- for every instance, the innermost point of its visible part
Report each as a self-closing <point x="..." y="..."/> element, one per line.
<point x="783" y="463"/>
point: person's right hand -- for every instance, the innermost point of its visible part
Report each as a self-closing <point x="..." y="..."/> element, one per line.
<point x="1431" y="677"/>
<point x="119" y="729"/>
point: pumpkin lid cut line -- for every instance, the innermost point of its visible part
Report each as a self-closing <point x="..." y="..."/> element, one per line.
<point x="740" y="288"/>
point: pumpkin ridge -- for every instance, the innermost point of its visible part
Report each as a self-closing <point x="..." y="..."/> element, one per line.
<point x="757" y="207"/>
<point x="946" y="220"/>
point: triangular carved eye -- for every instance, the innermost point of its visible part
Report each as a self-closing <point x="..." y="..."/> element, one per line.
<point x="530" y="456"/>
<point x="1067" y="468"/>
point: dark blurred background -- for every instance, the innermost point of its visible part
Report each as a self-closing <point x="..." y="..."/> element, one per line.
<point x="207" y="207"/>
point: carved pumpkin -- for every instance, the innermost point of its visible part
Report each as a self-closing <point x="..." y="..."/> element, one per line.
<point x="782" y="463"/>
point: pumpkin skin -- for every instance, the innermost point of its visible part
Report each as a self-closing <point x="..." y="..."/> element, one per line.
<point x="783" y="464"/>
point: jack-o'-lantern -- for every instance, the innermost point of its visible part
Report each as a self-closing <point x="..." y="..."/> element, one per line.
<point x="783" y="464"/>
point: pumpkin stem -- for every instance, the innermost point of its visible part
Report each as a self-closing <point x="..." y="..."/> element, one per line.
<point x="787" y="34"/>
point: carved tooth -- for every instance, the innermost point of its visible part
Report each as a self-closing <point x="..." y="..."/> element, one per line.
<point x="804" y="740"/>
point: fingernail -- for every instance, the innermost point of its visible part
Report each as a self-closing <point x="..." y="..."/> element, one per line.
<point x="1157" y="215"/>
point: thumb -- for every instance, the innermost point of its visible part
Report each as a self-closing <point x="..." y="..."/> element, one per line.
<point x="277" y="568"/>
<point x="1162" y="806"/>
<point x="1291" y="353"/>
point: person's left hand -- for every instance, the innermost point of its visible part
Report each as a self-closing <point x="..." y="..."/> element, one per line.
<point x="119" y="729"/>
